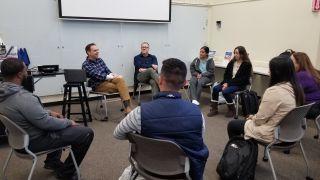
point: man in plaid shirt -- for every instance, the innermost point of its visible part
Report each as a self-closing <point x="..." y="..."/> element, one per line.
<point x="101" y="77"/>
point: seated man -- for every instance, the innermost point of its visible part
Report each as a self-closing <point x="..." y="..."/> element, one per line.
<point x="146" y="66"/>
<point x="46" y="129"/>
<point x="102" y="79"/>
<point x="170" y="117"/>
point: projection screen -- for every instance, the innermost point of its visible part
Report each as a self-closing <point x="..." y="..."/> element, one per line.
<point x="116" y="10"/>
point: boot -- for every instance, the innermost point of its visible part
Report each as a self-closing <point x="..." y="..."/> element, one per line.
<point x="213" y="109"/>
<point x="231" y="110"/>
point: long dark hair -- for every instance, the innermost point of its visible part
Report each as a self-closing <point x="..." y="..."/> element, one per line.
<point x="243" y="53"/>
<point x="282" y="71"/>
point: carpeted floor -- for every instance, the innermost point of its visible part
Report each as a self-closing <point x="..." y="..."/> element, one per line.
<point x="107" y="156"/>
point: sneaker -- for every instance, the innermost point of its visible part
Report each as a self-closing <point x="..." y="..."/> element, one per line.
<point x="195" y="102"/>
<point x="53" y="165"/>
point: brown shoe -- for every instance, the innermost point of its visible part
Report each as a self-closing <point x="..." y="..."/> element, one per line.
<point x="213" y="109"/>
<point x="127" y="110"/>
<point x="231" y="111"/>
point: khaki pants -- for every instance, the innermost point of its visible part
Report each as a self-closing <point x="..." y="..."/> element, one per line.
<point x="115" y="85"/>
<point x="150" y="76"/>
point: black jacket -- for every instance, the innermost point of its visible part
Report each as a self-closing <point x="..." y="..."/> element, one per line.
<point x="242" y="77"/>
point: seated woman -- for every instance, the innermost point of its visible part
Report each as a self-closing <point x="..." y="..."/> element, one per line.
<point x="283" y="95"/>
<point x="309" y="79"/>
<point x="236" y="78"/>
<point x="202" y="72"/>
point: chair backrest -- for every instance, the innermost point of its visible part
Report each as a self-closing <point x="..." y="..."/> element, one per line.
<point x="293" y="126"/>
<point x="17" y="137"/>
<point x="161" y="157"/>
<point x="75" y="75"/>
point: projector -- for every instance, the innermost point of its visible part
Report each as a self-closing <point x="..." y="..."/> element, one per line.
<point x="48" y="68"/>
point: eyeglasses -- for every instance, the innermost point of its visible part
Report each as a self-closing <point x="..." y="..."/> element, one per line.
<point x="144" y="47"/>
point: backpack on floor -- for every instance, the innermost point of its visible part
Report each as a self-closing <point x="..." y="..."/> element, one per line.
<point x="239" y="160"/>
<point x="249" y="102"/>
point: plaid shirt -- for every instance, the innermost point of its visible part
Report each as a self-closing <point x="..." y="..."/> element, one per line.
<point x="96" y="70"/>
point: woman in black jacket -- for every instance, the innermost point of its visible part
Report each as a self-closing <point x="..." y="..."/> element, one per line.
<point x="236" y="77"/>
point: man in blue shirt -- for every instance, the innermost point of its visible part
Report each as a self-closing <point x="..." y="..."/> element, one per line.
<point x="146" y="66"/>
<point x="101" y="77"/>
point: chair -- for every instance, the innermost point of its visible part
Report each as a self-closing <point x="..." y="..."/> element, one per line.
<point x="105" y="100"/>
<point x="138" y="85"/>
<point x="210" y="86"/>
<point x="19" y="140"/>
<point x="317" y="122"/>
<point x="287" y="134"/>
<point x="75" y="78"/>
<point x="156" y="159"/>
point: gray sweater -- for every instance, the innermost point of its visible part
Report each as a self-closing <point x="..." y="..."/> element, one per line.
<point x="195" y="70"/>
<point x="26" y="110"/>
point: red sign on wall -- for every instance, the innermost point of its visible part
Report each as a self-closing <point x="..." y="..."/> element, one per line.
<point x="316" y="5"/>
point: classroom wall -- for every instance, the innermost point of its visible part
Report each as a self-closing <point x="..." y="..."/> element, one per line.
<point x="265" y="28"/>
<point x="50" y="40"/>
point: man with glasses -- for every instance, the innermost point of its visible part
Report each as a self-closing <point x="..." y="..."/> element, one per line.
<point x="146" y="67"/>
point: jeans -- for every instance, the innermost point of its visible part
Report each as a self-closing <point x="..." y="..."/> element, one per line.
<point x="78" y="137"/>
<point x="226" y="92"/>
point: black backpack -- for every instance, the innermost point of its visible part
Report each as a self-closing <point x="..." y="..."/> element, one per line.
<point x="249" y="102"/>
<point x="239" y="160"/>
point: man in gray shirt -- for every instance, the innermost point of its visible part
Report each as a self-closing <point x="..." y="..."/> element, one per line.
<point x="46" y="129"/>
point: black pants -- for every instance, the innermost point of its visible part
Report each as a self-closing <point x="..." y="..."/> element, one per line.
<point x="78" y="137"/>
<point x="314" y="111"/>
<point x="236" y="128"/>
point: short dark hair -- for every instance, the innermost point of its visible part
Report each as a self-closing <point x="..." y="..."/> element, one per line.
<point x="88" y="47"/>
<point x="206" y="49"/>
<point x="174" y="72"/>
<point x="282" y="71"/>
<point x="11" y="67"/>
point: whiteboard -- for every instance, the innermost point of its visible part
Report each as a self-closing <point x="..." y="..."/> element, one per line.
<point x="55" y="41"/>
<point x="119" y="10"/>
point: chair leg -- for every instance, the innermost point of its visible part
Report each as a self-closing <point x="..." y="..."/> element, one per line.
<point x="105" y="106"/>
<point x="211" y="93"/>
<point x="6" y="163"/>
<point x="64" y="101"/>
<point x="83" y="111"/>
<point x="35" y="159"/>
<point x="139" y="94"/>
<point x="271" y="164"/>
<point x="305" y="159"/>
<point x="69" y="102"/>
<point x="75" y="163"/>
<point x="186" y="93"/>
<point x="318" y="129"/>
<point x="265" y="156"/>
<point x="237" y="106"/>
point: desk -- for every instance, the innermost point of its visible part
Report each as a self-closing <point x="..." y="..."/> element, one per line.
<point x="39" y="75"/>
<point x="256" y="70"/>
